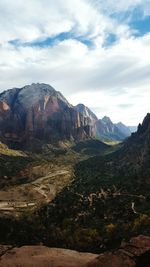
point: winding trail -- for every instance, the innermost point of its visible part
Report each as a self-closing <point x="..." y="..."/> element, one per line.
<point x="38" y="185"/>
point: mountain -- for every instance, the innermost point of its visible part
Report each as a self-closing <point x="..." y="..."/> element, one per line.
<point x="125" y="130"/>
<point x="136" y="150"/>
<point x="107" y="130"/>
<point x="86" y="112"/>
<point x="40" y="112"/>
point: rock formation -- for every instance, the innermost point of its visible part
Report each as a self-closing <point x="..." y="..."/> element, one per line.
<point x="38" y="111"/>
<point x="135" y="253"/>
<point x="41" y="256"/>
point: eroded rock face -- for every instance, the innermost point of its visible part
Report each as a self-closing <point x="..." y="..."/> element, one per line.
<point x="38" y="111"/>
<point x="132" y="254"/>
<point x="87" y="113"/>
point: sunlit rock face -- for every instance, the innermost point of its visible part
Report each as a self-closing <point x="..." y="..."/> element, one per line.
<point x="39" y="111"/>
<point x="89" y="117"/>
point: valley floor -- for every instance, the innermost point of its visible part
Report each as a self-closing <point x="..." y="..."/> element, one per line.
<point x="29" y="195"/>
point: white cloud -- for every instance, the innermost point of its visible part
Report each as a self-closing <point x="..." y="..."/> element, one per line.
<point x="114" y="6"/>
<point x="112" y="81"/>
<point x="35" y="19"/>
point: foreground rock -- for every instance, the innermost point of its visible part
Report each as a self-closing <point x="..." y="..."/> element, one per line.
<point x="136" y="253"/>
<point x="40" y="256"/>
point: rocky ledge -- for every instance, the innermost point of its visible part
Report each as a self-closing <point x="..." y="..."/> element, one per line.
<point x="41" y="256"/>
<point x="135" y="253"/>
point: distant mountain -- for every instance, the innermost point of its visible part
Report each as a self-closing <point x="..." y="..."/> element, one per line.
<point x="40" y="112"/>
<point x="106" y="129"/>
<point x="125" y="130"/>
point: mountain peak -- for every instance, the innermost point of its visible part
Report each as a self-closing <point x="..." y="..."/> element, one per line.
<point x="120" y="123"/>
<point x="86" y="111"/>
<point x="30" y="95"/>
<point x="125" y="130"/>
<point x="145" y="124"/>
<point x="106" y="119"/>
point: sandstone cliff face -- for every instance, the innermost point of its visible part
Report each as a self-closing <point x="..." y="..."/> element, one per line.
<point x="39" y="111"/>
<point x="87" y="113"/>
<point x="89" y="117"/>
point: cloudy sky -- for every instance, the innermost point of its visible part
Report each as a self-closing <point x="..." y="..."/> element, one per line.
<point x="95" y="52"/>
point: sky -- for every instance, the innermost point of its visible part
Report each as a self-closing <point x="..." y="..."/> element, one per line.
<point x="96" y="52"/>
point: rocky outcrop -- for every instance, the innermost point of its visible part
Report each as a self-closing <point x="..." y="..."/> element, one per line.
<point x="40" y="256"/>
<point x="38" y="111"/>
<point x="136" y="253"/>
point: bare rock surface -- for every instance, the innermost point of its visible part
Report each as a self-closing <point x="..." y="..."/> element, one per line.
<point x="41" y="256"/>
<point x="135" y="253"/>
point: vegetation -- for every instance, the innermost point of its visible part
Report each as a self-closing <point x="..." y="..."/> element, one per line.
<point x="107" y="202"/>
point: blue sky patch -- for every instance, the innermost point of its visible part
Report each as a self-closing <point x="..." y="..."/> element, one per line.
<point x="136" y="20"/>
<point x="142" y="26"/>
<point x="14" y="42"/>
<point x="50" y="41"/>
<point x="110" y="40"/>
